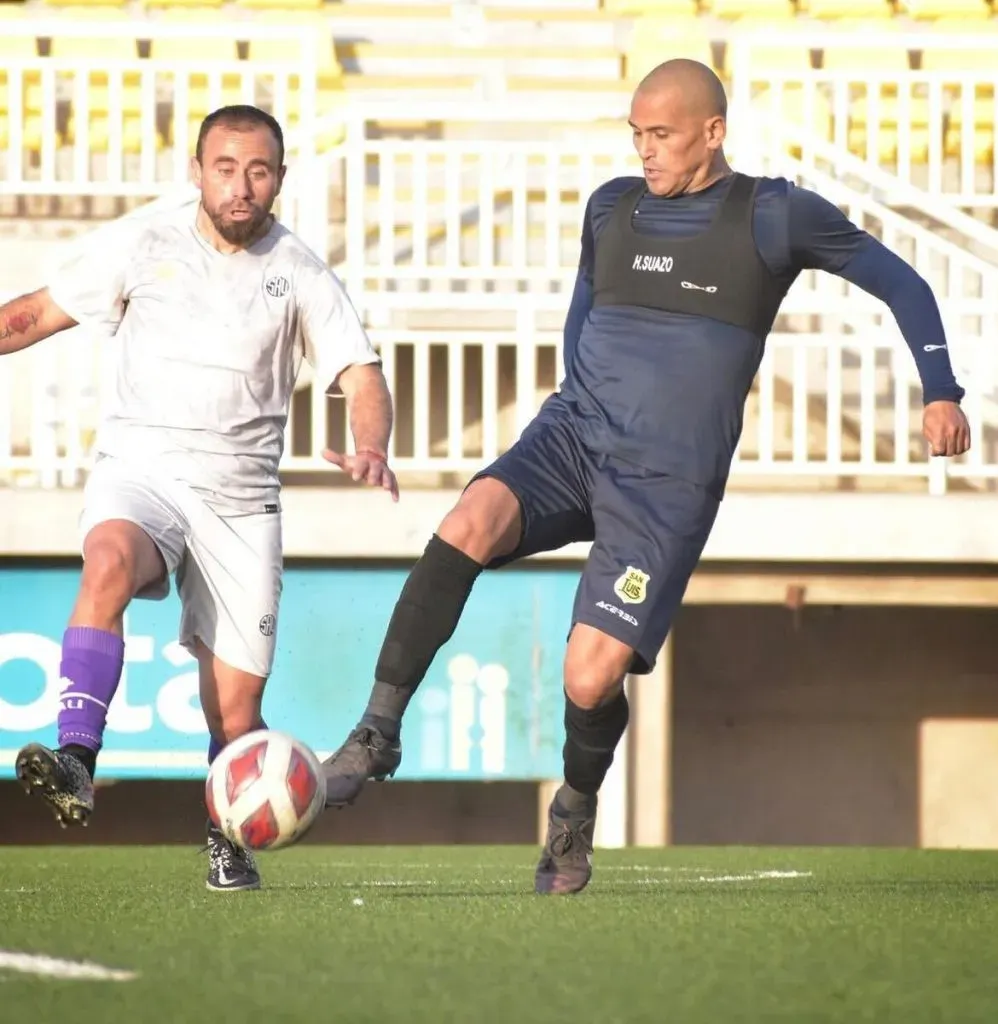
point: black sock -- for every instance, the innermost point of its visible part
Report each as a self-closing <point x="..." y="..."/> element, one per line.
<point x="591" y="737"/>
<point x="425" y="617"/>
<point x="84" y="754"/>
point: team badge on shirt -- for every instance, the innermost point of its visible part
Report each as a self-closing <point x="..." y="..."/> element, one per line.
<point x="631" y="587"/>
<point x="277" y="286"/>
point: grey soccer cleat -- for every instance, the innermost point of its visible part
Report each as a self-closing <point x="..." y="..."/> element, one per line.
<point x="60" y="779"/>
<point x="366" y="754"/>
<point x="230" y="868"/>
<point x="566" y="863"/>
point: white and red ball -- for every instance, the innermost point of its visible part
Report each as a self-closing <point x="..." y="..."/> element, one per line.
<point x="264" y="790"/>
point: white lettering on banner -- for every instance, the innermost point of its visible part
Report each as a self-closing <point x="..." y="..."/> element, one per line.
<point x="178" y="702"/>
<point x="46" y="654"/>
<point x="477" y="713"/>
<point x="462" y="670"/>
<point x="122" y="716"/>
<point x="175" y="703"/>
<point x="493" y="682"/>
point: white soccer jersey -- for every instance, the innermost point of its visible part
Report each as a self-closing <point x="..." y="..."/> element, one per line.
<point x="209" y="346"/>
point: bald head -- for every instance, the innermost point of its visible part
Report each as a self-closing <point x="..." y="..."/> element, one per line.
<point x="688" y="81"/>
<point x="678" y="119"/>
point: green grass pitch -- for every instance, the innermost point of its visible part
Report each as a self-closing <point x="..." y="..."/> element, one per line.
<point x="434" y="935"/>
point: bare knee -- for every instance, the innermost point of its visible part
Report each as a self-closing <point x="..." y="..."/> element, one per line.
<point x="595" y="666"/>
<point x="485" y="523"/>
<point x="117" y="563"/>
<point x="233" y="719"/>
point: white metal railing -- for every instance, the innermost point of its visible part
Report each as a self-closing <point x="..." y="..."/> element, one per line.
<point x="934" y="128"/>
<point x="125" y="127"/>
<point x="829" y="404"/>
<point x="460" y="253"/>
<point x="438" y="215"/>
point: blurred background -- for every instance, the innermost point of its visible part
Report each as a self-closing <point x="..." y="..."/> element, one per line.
<point x="832" y="677"/>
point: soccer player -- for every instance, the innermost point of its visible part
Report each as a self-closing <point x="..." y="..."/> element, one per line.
<point x="213" y="306"/>
<point x="682" y="273"/>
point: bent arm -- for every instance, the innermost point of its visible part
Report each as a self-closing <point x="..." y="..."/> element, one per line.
<point x="823" y="238"/>
<point x="369" y="407"/>
<point x="28" y="319"/>
<point x="884" y="275"/>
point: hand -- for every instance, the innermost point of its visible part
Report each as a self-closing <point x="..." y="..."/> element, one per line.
<point x="946" y="428"/>
<point x="371" y="467"/>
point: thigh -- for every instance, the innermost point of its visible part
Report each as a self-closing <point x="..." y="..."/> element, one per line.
<point x="230" y="587"/>
<point x="119" y="491"/>
<point x="551" y="475"/>
<point x="650" y="532"/>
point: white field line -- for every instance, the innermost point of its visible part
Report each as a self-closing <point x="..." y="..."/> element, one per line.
<point x="413" y="883"/>
<point x="51" y="967"/>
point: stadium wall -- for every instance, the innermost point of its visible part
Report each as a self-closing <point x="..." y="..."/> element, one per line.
<point x="805" y="706"/>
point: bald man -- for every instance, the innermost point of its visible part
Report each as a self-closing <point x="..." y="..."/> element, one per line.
<point x="681" y="276"/>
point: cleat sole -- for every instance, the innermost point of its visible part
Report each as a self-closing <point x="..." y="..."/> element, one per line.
<point x="36" y="770"/>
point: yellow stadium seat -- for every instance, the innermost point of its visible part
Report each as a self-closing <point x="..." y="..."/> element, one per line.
<point x="766" y="56"/>
<point x="107" y="48"/>
<point x="940" y="58"/>
<point x="203" y="52"/>
<point x="20" y="47"/>
<point x="327" y="139"/>
<point x="639" y="7"/>
<point x="278" y="50"/>
<point x="792" y="109"/>
<point x="946" y="8"/>
<point x="983" y="130"/>
<point x="174" y="5"/>
<point x="99" y="99"/>
<point x="659" y="39"/>
<point x="99" y="133"/>
<point x="85" y="8"/>
<point x="17" y="46"/>
<point x="770" y="9"/>
<point x="280" y="5"/>
<point x="890" y="112"/>
<point x="839" y="55"/>
<point x="31" y="133"/>
<point x="848" y="8"/>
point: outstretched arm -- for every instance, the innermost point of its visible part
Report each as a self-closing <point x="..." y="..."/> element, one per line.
<point x="337" y="346"/>
<point x="822" y="237"/>
<point x="369" y="407"/>
<point x="28" y="319"/>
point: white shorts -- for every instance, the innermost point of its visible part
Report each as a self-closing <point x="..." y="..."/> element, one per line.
<point x="228" y="567"/>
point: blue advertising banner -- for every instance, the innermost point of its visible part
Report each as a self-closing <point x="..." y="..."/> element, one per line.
<point x="490" y="708"/>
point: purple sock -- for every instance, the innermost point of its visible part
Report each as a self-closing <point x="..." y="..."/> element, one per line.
<point x="91" y="669"/>
<point x="215" y="746"/>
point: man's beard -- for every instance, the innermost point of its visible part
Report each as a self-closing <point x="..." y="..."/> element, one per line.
<point x="238" y="232"/>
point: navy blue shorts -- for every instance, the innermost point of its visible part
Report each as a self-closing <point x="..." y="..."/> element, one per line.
<point x="648" y="529"/>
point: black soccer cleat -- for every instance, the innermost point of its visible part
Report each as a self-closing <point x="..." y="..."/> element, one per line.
<point x="60" y="779"/>
<point x="566" y="863"/>
<point x="230" y="868"/>
<point x="366" y="754"/>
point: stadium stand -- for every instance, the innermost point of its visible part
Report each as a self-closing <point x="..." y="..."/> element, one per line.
<point x="456" y="144"/>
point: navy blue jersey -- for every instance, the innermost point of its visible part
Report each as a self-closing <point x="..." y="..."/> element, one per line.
<point x="667" y="391"/>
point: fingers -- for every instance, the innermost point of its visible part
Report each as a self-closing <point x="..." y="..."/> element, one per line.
<point x="947" y="432"/>
<point x="948" y="443"/>
<point x="379" y="475"/>
<point x="372" y="472"/>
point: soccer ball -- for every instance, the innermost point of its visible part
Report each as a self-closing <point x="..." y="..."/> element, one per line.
<point x="264" y="790"/>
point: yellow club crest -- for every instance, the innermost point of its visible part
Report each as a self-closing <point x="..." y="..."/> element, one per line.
<point x="631" y="588"/>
